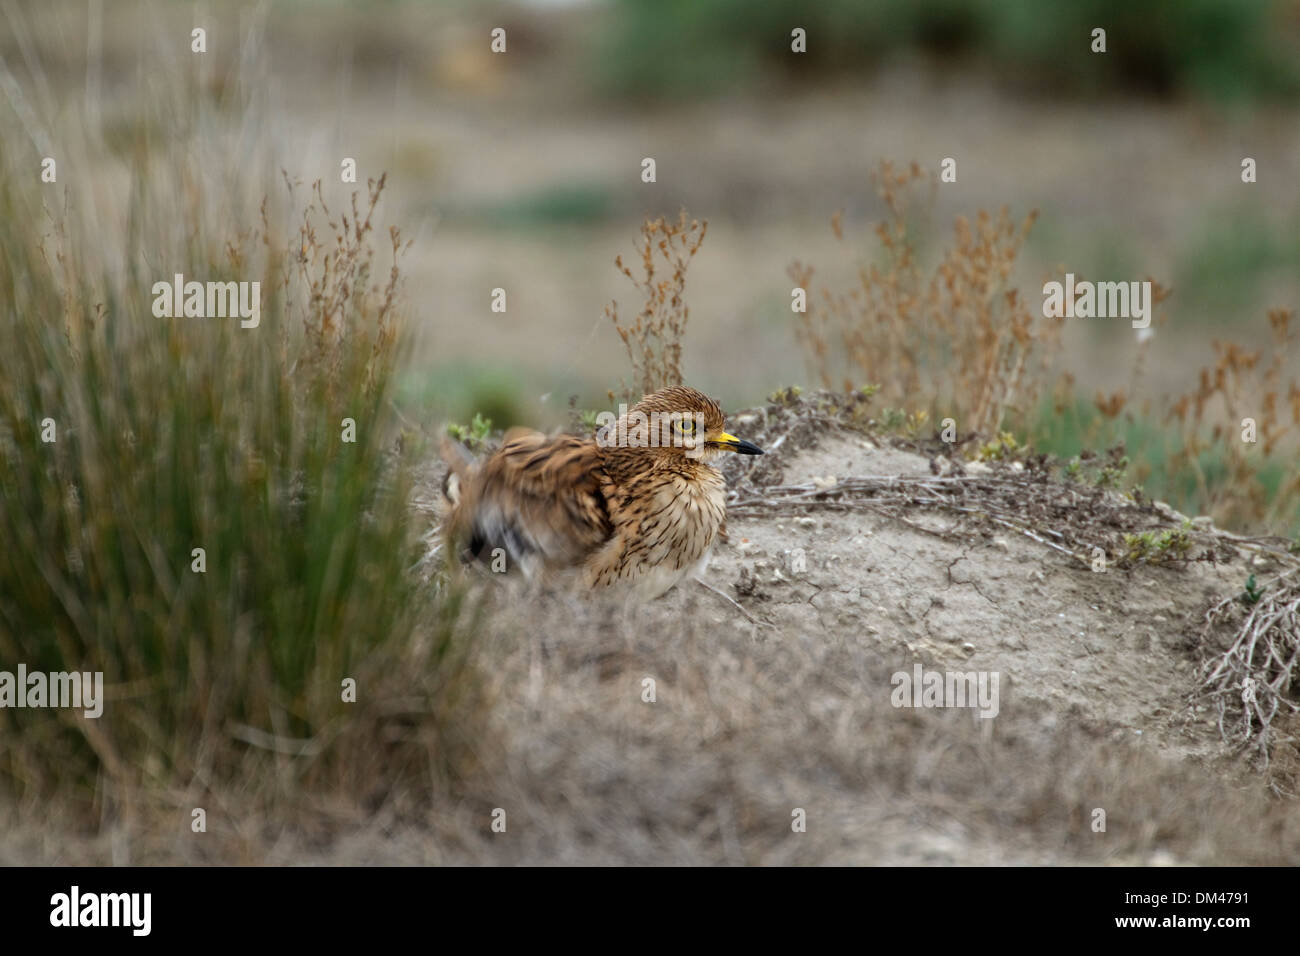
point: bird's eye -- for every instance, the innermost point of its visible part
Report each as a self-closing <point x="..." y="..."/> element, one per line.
<point x="686" y="426"/>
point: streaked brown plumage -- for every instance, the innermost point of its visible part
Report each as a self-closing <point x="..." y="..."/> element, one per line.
<point x="639" y="507"/>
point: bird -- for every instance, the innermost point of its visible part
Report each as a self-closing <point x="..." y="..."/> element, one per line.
<point x="635" y="509"/>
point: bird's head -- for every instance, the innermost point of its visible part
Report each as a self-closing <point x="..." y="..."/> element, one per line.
<point x="676" y="421"/>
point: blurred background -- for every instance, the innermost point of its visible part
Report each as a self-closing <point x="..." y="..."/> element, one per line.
<point x="522" y="170"/>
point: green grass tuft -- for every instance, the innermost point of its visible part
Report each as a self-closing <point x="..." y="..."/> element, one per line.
<point x="173" y="435"/>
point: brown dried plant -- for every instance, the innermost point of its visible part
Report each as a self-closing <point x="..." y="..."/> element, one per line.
<point x="1212" y="416"/>
<point x="1112" y="406"/>
<point x="958" y="338"/>
<point x="1251" y="684"/>
<point x="654" y="338"/>
<point x="345" y="310"/>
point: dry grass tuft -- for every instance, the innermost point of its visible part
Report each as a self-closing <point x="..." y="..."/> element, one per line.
<point x="959" y="336"/>
<point x="654" y="338"/>
<point x="1212" y="417"/>
<point x="959" y="340"/>
<point x="334" y="280"/>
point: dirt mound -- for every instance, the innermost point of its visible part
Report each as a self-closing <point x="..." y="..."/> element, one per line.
<point x="759" y="725"/>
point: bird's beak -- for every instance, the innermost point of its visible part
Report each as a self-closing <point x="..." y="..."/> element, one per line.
<point x="732" y="443"/>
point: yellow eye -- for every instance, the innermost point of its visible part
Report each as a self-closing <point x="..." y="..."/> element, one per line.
<point x="686" y="426"/>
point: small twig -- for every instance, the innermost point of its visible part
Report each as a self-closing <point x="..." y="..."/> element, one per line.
<point x="308" y="747"/>
<point x="732" y="601"/>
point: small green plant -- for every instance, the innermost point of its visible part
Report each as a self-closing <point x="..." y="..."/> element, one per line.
<point x="785" y="396"/>
<point x="1002" y="448"/>
<point x="1148" y="547"/>
<point x="1253" y="592"/>
<point x="1112" y="474"/>
<point x="902" y="422"/>
<point x="915" y="422"/>
<point x="893" y="419"/>
<point x="473" y="434"/>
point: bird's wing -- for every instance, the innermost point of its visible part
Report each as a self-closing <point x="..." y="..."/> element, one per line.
<point x="538" y="498"/>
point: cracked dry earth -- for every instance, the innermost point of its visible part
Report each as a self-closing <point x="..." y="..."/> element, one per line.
<point x="1111" y="648"/>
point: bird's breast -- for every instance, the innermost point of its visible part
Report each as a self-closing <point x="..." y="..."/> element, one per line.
<point x="676" y="531"/>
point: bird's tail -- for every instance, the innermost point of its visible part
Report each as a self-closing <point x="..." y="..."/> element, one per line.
<point x="460" y="465"/>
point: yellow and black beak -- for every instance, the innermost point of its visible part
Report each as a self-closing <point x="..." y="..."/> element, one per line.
<point x="732" y="443"/>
